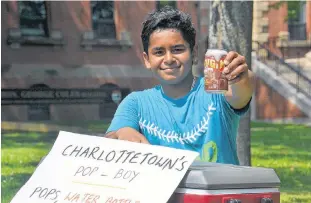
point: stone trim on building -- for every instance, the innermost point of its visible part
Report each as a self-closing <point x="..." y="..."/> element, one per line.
<point x="260" y="8"/>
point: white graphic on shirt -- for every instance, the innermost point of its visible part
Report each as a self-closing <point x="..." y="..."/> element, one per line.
<point x="172" y="136"/>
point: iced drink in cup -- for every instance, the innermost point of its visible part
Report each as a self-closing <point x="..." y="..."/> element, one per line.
<point x="215" y="82"/>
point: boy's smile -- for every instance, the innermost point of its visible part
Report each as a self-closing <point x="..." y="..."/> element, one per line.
<point x="169" y="56"/>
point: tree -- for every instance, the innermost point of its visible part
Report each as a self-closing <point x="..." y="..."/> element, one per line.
<point x="293" y="8"/>
<point x="231" y="29"/>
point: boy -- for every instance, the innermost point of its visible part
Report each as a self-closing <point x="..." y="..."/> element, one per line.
<point x="179" y="113"/>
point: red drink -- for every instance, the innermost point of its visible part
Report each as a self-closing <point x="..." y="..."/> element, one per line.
<point x="215" y="82"/>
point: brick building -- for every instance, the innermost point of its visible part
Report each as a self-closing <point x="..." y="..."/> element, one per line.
<point x="74" y="44"/>
<point x="287" y="36"/>
<point x="273" y="23"/>
<point x="88" y="44"/>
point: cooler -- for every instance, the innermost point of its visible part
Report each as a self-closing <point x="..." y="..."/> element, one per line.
<point x="224" y="183"/>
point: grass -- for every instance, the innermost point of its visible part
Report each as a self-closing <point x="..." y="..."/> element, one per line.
<point x="286" y="148"/>
<point x="20" y="154"/>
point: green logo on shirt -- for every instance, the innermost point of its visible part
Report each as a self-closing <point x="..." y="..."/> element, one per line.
<point x="209" y="152"/>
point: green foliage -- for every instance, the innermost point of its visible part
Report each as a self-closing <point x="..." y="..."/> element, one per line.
<point x="293" y="8"/>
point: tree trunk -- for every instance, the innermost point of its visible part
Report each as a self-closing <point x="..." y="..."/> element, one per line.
<point x="231" y="29"/>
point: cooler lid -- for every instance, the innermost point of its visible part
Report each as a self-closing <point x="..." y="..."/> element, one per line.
<point x="214" y="176"/>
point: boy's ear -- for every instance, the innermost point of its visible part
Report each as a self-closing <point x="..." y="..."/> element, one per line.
<point x="146" y="60"/>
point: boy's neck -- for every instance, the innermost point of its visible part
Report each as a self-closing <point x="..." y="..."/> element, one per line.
<point x="179" y="90"/>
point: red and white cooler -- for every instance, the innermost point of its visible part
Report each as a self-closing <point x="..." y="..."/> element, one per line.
<point x="224" y="183"/>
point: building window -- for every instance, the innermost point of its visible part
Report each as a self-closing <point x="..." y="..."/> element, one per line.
<point x="297" y="20"/>
<point x="39" y="112"/>
<point x="161" y="4"/>
<point x="265" y="29"/>
<point x="103" y="20"/>
<point x="33" y="18"/>
<point x="108" y="108"/>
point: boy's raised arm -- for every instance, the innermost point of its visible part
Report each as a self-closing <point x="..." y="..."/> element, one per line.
<point x="240" y="93"/>
<point x="242" y="81"/>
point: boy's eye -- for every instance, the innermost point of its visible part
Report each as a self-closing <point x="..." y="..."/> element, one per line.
<point x="158" y="53"/>
<point x="178" y="50"/>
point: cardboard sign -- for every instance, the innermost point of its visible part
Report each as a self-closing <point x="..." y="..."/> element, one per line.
<point x="90" y="169"/>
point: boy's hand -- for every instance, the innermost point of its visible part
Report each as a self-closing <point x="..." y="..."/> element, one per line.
<point x="128" y="134"/>
<point x="235" y="67"/>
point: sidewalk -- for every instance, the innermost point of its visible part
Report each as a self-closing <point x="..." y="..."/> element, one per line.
<point x="44" y="128"/>
<point x="295" y="121"/>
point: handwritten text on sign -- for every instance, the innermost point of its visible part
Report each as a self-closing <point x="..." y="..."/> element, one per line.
<point x="89" y="169"/>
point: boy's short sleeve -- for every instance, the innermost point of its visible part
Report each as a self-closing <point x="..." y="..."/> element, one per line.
<point x="126" y="114"/>
<point x="239" y="112"/>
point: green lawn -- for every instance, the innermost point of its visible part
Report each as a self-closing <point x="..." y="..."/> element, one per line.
<point x="286" y="148"/>
<point x="20" y="154"/>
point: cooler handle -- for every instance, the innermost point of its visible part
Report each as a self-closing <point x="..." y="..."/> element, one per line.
<point x="266" y="200"/>
<point x="231" y="200"/>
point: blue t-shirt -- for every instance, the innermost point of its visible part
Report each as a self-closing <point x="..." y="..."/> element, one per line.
<point x="199" y="121"/>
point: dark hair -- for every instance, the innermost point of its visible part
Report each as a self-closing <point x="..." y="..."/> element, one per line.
<point x="167" y="17"/>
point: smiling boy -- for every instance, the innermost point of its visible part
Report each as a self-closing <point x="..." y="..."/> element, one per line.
<point x="178" y="112"/>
